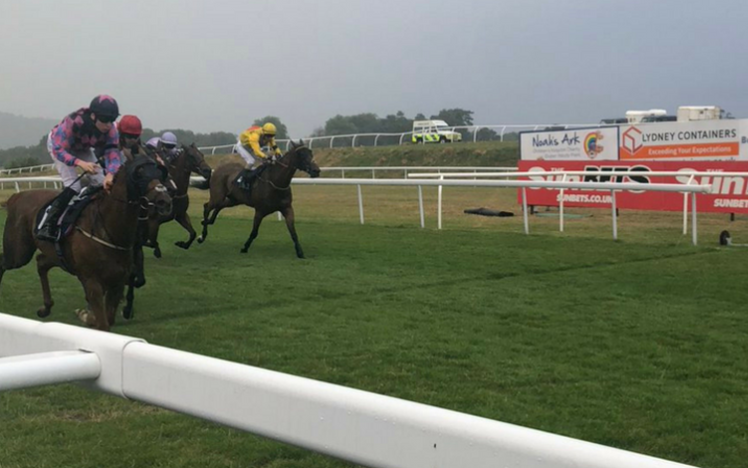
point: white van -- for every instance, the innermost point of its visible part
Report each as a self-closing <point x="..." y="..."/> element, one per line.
<point x="636" y="116"/>
<point x="434" y="131"/>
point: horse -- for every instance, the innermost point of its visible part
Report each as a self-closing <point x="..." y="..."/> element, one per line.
<point x="188" y="160"/>
<point x="270" y="192"/>
<point x="99" y="250"/>
<point x="137" y="276"/>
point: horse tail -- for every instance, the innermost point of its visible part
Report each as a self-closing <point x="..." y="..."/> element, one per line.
<point x="202" y="185"/>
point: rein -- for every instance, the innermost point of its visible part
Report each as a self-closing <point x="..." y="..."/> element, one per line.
<point x="101" y="241"/>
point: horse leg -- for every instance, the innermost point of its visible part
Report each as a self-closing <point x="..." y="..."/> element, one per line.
<point x="207" y="208"/>
<point x="138" y="274"/>
<point x="259" y="216"/>
<point x="186" y="223"/>
<point x="225" y="203"/>
<point x="153" y="226"/>
<point x="289" y="216"/>
<point x="95" y="298"/>
<point x="130" y="298"/>
<point x="136" y="280"/>
<point x="43" y="265"/>
<point x="112" y="300"/>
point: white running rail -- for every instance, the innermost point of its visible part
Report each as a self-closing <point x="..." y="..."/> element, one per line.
<point x="520" y="184"/>
<point x="357" y="426"/>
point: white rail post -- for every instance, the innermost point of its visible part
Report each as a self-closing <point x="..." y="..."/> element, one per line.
<point x="615" y="218"/>
<point x="343" y="173"/>
<point x="475" y="133"/>
<point x="685" y="207"/>
<point x="353" y="142"/>
<point x="360" y="205"/>
<point x="280" y="217"/>
<point x="18" y="188"/>
<point x="439" y="208"/>
<point x="420" y="205"/>
<point x="503" y="129"/>
<point x="375" y="139"/>
<point x="524" y="210"/>
<point x="331" y="141"/>
<point x="561" y="208"/>
<point x="694" y="235"/>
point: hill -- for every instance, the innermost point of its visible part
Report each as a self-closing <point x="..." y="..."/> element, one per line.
<point x="16" y="130"/>
<point x="460" y="154"/>
<point x="493" y="153"/>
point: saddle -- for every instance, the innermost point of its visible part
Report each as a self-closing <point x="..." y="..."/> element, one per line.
<point x="66" y="222"/>
<point x="245" y="179"/>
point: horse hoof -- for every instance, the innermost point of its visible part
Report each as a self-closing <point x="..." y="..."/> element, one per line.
<point x="157" y="253"/>
<point x="200" y="240"/>
<point x="43" y="312"/>
<point x="244" y="250"/>
<point x="86" y="316"/>
<point x="127" y="313"/>
<point x="182" y="245"/>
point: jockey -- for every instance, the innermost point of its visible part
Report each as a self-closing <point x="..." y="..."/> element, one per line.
<point x="152" y="143"/>
<point x="88" y="139"/>
<point x="250" y="144"/>
<point x="168" y="146"/>
<point x="130" y="128"/>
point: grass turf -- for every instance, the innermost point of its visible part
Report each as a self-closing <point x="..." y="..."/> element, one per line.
<point x="637" y="344"/>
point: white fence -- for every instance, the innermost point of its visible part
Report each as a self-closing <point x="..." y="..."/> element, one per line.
<point x="523" y="184"/>
<point x="27" y="169"/>
<point x="400" y="138"/>
<point x="353" y="425"/>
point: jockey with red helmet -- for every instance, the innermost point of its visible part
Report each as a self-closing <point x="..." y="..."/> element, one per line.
<point x="130" y="128"/>
<point x="86" y="138"/>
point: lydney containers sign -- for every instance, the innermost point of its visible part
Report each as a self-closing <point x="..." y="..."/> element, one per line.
<point x="713" y="140"/>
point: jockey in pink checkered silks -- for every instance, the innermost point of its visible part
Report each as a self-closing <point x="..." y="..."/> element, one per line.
<point x="87" y="139"/>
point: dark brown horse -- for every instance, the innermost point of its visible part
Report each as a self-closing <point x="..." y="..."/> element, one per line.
<point x="189" y="160"/>
<point x="271" y="192"/>
<point x="99" y="251"/>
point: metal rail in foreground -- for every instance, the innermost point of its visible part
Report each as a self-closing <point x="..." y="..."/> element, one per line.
<point x="353" y="425"/>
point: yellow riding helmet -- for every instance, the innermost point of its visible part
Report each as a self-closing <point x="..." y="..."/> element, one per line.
<point x="269" y="129"/>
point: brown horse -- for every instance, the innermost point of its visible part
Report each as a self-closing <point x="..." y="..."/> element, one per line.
<point x="270" y="192"/>
<point x="99" y="251"/>
<point x="189" y="160"/>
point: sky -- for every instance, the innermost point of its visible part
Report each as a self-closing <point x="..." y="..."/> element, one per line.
<point x="219" y="65"/>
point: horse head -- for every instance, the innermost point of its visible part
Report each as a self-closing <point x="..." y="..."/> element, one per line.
<point x="304" y="159"/>
<point x="144" y="179"/>
<point x="196" y="161"/>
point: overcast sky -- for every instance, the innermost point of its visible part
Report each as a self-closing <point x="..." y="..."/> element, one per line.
<point x="218" y="65"/>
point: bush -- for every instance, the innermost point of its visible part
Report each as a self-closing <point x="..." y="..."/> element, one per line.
<point x="23" y="162"/>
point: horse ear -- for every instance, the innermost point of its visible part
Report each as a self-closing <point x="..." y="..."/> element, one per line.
<point x="293" y="144"/>
<point x="301" y="142"/>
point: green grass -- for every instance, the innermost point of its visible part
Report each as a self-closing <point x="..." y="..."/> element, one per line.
<point x="637" y="344"/>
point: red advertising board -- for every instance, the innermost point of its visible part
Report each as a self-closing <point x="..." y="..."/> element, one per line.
<point x="729" y="194"/>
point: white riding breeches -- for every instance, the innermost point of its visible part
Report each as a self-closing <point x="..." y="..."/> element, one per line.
<point x="68" y="174"/>
<point x="245" y="154"/>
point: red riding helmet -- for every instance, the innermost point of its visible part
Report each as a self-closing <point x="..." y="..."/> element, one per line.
<point x="131" y="125"/>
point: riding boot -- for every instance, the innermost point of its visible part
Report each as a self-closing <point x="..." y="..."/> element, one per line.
<point x="48" y="228"/>
<point x="246" y="178"/>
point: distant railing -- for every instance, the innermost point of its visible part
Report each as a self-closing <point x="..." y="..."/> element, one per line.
<point x="27" y="169"/>
<point x="379" y="139"/>
<point x="400" y="137"/>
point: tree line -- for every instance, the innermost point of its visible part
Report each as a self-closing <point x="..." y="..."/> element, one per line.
<point x="21" y="156"/>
